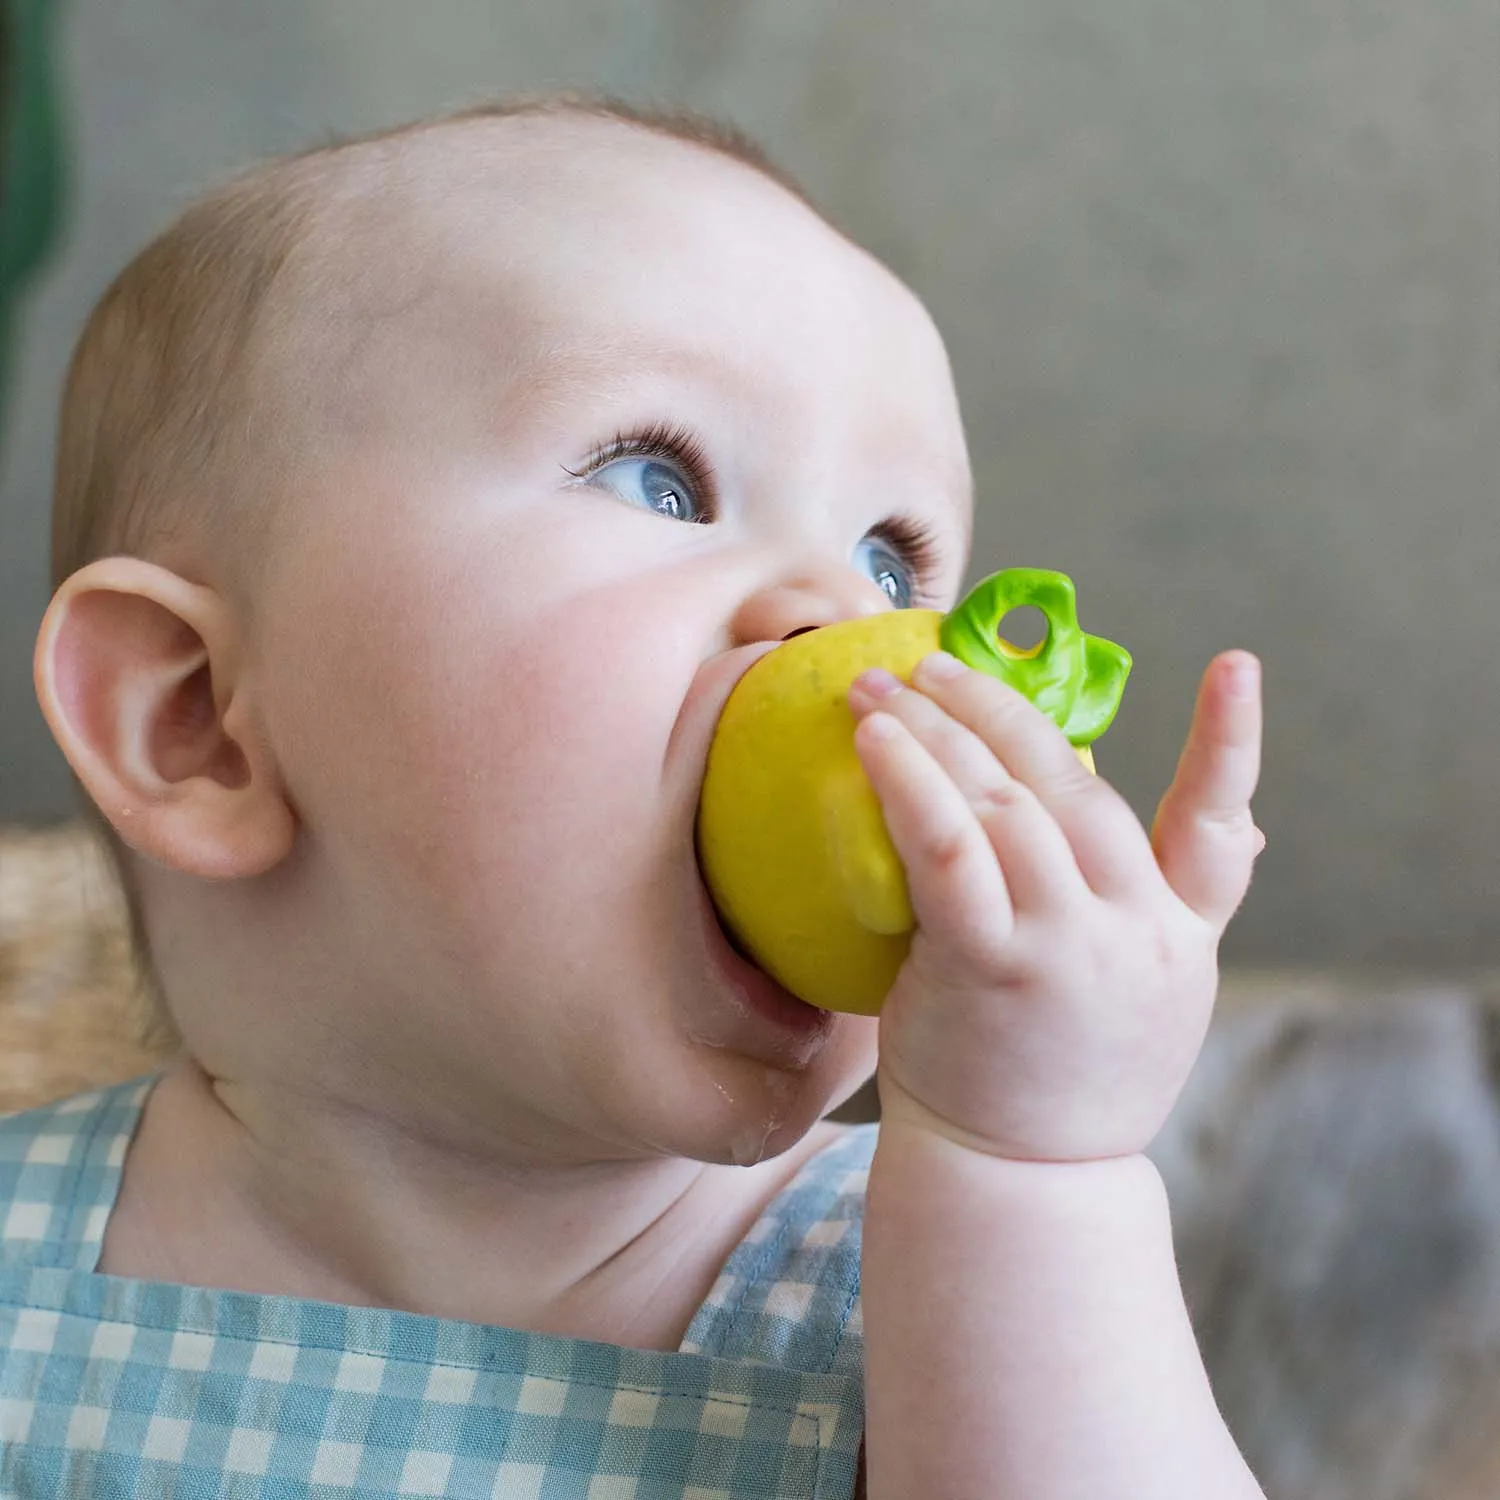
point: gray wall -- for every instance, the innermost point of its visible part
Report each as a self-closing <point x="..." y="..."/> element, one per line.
<point x="1222" y="287"/>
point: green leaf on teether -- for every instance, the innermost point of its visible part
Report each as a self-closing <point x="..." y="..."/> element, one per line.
<point x="1103" y="686"/>
<point x="1076" y="679"/>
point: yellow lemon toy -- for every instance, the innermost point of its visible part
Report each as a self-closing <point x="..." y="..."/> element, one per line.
<point x="790" y="835"/>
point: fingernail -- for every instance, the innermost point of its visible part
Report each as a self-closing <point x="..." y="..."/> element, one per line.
<point x="878" y="726"/>
<point x="940" y="667"/>
<point x="878" y="683"/>
<point x="1244" y="676"/>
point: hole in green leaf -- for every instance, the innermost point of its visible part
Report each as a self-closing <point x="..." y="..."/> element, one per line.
<point x="1023" y="631"/>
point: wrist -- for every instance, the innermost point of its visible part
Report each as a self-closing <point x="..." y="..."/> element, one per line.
<point x="904" y="1116"/>
<point x="942" y="1176"/>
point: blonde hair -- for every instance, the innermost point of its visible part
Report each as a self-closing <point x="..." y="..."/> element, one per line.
<point x="166" y="395"/>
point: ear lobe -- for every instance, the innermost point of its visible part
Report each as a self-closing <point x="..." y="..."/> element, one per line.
<point x="137" y="672"/>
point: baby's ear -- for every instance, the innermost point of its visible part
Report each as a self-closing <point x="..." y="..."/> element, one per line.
<point x="138" y="672"/>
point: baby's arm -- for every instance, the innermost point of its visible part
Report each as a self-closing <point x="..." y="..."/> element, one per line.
<point x="1025" y="1332"/>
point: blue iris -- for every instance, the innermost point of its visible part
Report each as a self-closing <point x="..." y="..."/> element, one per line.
<point x="888" y="569"/>
<point x="653" y="484"/>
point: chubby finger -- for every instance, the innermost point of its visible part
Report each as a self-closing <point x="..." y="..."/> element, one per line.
<point x="958" y="891"/>
<point x="1035" y="857"/>
<point x="1105" y="839"/>
<point x="1204" y="835"/>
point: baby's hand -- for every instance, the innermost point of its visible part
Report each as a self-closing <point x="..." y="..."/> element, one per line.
<point x="1063" y="970"/>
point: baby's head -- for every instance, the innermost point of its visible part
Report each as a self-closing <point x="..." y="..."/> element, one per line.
<point x="420" y="499"/>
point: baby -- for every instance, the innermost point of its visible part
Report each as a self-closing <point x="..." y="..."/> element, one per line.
<point x="420" y="501"/>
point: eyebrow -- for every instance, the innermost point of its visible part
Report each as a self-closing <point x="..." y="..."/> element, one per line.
<point x="603" y="365"/>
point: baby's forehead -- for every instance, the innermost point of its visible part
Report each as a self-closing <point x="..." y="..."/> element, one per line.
<point x="568" y="219"/>
<point x="520" y="193"/>
<point x="557" y="256"/>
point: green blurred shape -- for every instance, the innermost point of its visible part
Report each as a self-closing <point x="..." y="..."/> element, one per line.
<point x="31" y="165"/>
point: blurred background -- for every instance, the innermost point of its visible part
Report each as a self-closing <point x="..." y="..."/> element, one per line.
<point x="1221" y="285"/>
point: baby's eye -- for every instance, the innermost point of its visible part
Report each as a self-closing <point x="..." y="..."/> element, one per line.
<point x="654" y="483"/>
<point x="888" y="568"/>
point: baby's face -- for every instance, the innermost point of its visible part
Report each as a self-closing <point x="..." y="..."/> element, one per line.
<point x="631" y="415"/>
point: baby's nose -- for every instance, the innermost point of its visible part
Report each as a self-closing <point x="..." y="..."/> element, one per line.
<point x="779" y="611"/>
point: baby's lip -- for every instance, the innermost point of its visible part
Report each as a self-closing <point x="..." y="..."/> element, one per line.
<point x="699" y="716"/>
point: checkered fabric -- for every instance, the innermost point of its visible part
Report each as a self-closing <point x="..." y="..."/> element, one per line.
<point x="112" y="1388"/>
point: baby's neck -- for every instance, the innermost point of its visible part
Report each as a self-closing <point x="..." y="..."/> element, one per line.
<point x="223" y="1188"/>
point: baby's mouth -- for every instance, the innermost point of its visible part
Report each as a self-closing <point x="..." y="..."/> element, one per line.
<point x="803" y="1028"/>
<point x="720" y="920"/>
<point x="728" y="933"/>
<point x="732" y="939"/>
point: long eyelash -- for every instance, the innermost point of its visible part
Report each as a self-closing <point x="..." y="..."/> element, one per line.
<point x="660" y="440"/>
<point x="919" y="543"/>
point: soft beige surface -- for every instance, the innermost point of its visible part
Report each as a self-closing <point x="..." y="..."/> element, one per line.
<point x="70" y="1014"/>
<point x="1334" y="1169"/>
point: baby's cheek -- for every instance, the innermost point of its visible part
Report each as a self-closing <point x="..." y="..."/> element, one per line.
<point x="474" y="732"/>
<point x="478" y="770"/>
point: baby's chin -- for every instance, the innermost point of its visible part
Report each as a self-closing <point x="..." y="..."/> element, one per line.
<point x="737" y="1113"/>
<point x="766" y="1139"/>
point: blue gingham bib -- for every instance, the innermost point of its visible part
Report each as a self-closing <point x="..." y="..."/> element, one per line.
<point x="113" y="1388"/>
